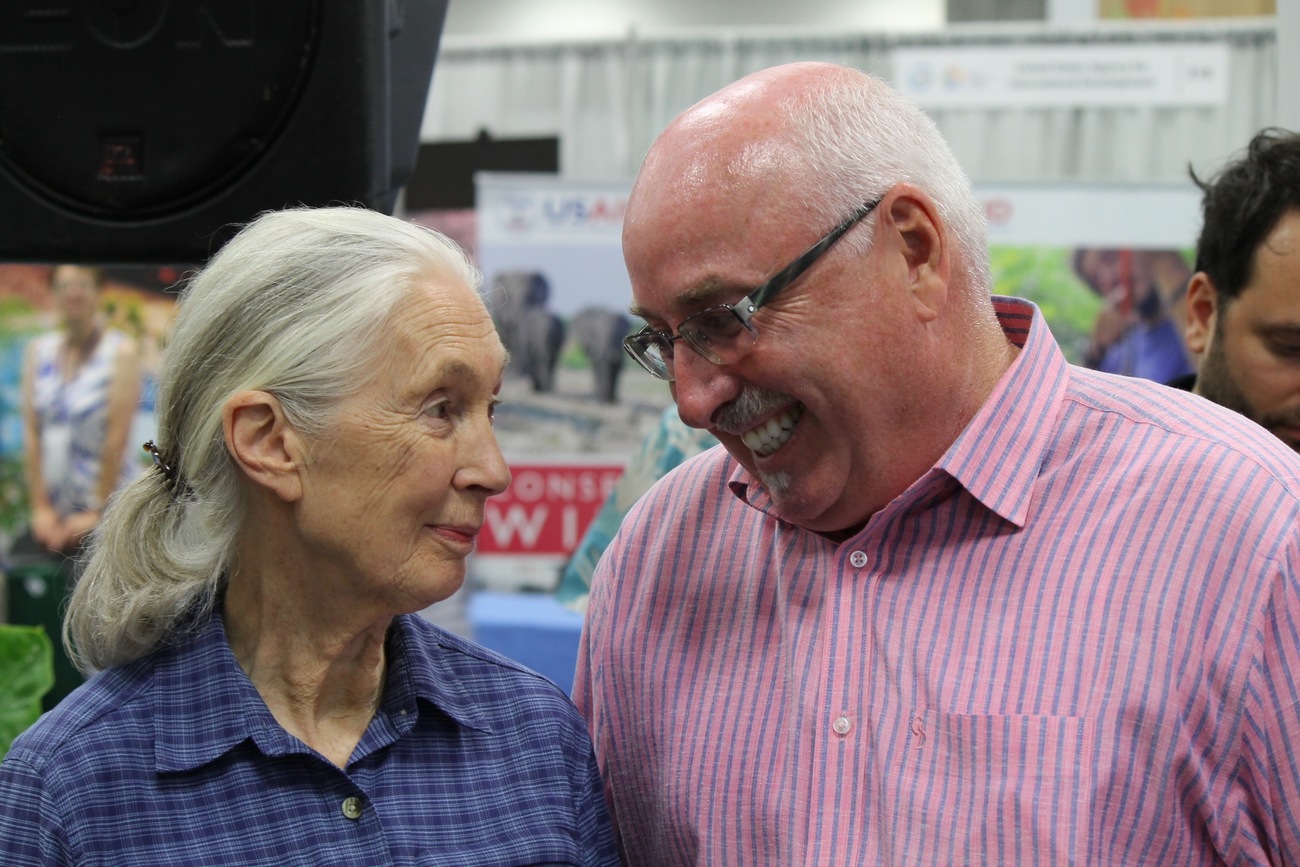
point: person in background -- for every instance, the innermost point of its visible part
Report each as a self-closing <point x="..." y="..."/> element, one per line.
<point x="1243" y="302"/>
<point x="943" y="598"/>
<point x="80" y="389"/>
<point x="264" y="694"/>
<point x="1135" y="333"/>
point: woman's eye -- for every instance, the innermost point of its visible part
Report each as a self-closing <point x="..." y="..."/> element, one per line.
<point x="438" y="410"/>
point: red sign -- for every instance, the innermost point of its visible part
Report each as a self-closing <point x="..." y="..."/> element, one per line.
<point x="547" y="508"/>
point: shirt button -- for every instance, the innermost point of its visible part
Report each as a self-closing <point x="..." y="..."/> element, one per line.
<point x="842" y="725"/>
<point x="858" y="559"/>
<point x="352" y="808"/>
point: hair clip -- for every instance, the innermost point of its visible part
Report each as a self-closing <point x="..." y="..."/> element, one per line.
<point x="169" y="472"/>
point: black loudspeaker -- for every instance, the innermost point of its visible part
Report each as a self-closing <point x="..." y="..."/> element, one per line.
<point x="143" y="131"/>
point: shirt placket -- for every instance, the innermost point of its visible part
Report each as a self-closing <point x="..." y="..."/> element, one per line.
<point x="840" y="727"/>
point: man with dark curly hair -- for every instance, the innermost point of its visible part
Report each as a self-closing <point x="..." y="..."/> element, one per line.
<point x="1243" y="302"/>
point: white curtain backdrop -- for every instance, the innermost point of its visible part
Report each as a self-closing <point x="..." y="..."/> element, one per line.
<point x="606" y="100"/>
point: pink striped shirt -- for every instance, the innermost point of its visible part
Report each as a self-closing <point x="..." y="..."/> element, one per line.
<point x="1076" y="639"/>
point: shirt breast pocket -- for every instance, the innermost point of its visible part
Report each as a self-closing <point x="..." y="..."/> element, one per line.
<point x="980" y="789"/>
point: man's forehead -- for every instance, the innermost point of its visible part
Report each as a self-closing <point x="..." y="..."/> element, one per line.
<point x="1275" y="266"/>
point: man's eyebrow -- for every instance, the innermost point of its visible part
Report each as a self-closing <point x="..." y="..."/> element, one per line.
<point x="705" y="294"/>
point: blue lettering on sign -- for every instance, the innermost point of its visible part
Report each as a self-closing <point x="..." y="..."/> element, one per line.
<point x="583" y="210"/>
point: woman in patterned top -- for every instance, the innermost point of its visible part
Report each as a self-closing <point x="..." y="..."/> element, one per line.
<point x="81" y="385"/>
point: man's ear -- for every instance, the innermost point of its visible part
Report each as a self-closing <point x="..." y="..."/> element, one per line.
<point x="263" y="444"/>
<point x="1202" y="313"/>
<point x="924" y="243"/>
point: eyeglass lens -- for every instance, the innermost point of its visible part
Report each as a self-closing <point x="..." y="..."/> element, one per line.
<point x="717" y="333"/>
<point x="723" y="334"/>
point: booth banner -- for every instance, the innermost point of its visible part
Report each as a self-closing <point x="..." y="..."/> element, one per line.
<point x="1024" y="76"/>
<point x="1108" y="266"/>
<point x="574" y="407"/>
<point x="546" y="209"/>
<point x="568" y="231"/>
<point x="530" y="531"/>
<point x="547" y="506"/>
<point x="1029" y="215"/>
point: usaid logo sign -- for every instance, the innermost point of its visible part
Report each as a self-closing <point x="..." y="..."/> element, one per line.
<point x="540" y="215"/>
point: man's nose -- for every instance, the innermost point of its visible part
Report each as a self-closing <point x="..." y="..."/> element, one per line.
<point x="701" y="387"/>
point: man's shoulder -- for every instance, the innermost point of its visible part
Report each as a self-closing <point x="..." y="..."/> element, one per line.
<point x="1211" y="440"/>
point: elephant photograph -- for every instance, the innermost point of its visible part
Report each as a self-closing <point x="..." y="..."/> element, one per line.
<point x="531" y="333"/>
<point x="600" y="333"/>
<point x="536" y="336"/>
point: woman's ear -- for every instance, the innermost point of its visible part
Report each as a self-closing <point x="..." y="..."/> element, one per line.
<point x="263" y="443"/>
<point x="923" y="241"/>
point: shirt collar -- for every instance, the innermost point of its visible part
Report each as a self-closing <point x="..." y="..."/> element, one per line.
<point x="422" y="668"/>
<point x="205" y="705"/>
<point x="998" y="455"/>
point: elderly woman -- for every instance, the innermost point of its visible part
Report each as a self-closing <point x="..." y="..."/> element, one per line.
<point x="324" y="452"/>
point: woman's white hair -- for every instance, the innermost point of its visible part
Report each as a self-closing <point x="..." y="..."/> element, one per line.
<point x="856" y="137"/>
<point x="294" y="305"/>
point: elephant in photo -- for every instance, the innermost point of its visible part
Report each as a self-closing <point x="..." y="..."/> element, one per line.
<point x="533" y="335"/>
<point x="541" y="337"/>
<point x="600" y="333"/>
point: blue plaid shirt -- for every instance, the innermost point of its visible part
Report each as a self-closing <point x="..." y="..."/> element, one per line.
<point x="175" y="759"/>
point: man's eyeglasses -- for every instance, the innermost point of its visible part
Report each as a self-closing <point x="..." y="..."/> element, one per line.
<point x="724" y="333"/>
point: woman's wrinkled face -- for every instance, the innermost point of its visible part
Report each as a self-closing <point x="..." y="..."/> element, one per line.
<point x="393" y="496"/>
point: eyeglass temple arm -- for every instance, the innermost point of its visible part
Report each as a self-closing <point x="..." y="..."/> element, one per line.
<point x="748" y="306"/>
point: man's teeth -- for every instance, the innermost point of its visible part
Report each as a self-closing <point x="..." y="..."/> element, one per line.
<point x="767" y="438"/>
